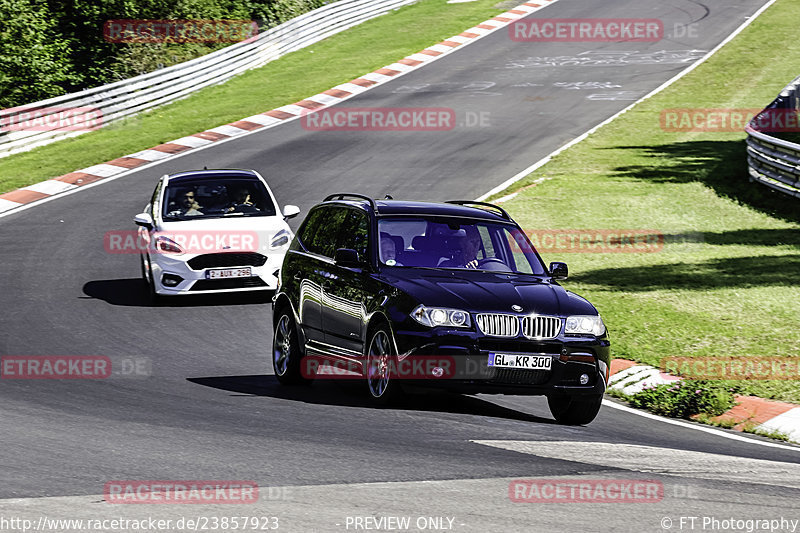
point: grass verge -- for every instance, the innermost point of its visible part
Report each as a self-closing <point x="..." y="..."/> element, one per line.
<point x="335" y="60"/>
<point x="726" y="282"/>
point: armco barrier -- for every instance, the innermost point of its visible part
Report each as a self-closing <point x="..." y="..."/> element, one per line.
<point x="772" y="161"/>
<point x="128" y="97"/>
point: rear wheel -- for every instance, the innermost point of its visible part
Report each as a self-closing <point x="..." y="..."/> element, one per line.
<point x="574" y="410"/>
<point x="381" y="368"/>
<point x="286" y="354"/>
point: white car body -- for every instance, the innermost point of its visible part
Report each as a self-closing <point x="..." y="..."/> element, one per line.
<point x="211" y="254"/>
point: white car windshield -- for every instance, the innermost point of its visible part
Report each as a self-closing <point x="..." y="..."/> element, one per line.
<point x="441" y="242"/>
<point x="217" y="197"/>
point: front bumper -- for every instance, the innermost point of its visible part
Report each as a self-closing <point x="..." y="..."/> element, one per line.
<point x="264" y="277"/>
<point x="468" y="352"/>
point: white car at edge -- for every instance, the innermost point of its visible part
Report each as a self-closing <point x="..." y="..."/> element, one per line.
<point x="212" y="231"/>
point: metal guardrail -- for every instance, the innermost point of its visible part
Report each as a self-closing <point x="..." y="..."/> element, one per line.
<point x="134" y="95"/>
<point x="775" y="162"/>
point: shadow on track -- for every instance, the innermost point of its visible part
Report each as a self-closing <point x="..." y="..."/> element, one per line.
<point x="354" y="395"/>
<point x="132" y="292"/>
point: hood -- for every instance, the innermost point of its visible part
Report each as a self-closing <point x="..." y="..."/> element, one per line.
<point x="488" y="292"/>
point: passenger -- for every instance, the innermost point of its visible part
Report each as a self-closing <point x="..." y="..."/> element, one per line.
<point x="388" y="251"/>
<point x="188" y="205"/>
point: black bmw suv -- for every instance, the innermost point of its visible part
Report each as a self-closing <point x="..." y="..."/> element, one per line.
<point x="450" y="295"/>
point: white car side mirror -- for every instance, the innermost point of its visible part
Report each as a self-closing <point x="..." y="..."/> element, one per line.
<point x="144" y="220"/>
<point x="290" y="211"/>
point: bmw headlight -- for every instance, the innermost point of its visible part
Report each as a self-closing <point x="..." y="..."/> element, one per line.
<point x="440" y="316"/>
<point x="584" y="325"/>
<point x="280" y="239"/>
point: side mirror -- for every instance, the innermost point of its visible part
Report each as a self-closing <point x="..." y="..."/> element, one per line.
<point x="290" y="211"/>
<point x="558" y="270"/>
<point x="144" y="220"/>
<point x="347" y="257"/>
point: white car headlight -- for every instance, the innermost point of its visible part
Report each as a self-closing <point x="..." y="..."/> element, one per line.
<point x="584" y="325"/>
<point x="280" y="239"/>
<point x="440" y="316"/>
<point x="166" y="245"/>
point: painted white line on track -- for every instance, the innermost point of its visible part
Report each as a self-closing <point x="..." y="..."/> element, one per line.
<point x="660" y="460"/>
<point x="697" y="427"/>
<point x="518" y="176"/>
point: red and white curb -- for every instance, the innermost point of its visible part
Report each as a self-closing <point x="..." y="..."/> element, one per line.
<point x="44" y="190"/>
<point x="629" y="377"/>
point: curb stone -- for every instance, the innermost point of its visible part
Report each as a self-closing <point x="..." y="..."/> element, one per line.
<point x="629" y="377"/>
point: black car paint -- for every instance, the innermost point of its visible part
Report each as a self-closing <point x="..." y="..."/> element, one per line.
<point x="335" y="306"/>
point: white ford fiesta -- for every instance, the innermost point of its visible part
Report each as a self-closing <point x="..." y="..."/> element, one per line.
<point x="210" y="231"/>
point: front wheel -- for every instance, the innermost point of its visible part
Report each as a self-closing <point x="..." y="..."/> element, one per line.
<point x="286" y="354"/>
<point x="381" y="371"/>
<point x="147" y="276"/>
<point x="574" y="410"/>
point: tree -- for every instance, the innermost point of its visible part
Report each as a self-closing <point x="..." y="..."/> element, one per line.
<point x="34" y="61"/>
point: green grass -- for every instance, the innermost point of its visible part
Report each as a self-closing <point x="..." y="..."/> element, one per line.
<point x="727" y="283"/>
<point x="335" y="60"/>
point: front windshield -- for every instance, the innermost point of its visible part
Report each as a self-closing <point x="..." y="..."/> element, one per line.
<point x="444" y="242"/>
<point x="216" y="197"/>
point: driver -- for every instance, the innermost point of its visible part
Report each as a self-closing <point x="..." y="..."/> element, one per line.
<point x="241" y="201"/>
<point x="468" y="246"/>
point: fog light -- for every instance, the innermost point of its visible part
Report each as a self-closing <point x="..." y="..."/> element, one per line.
<point x="170" y="280"/>
<point x="584" y="379"/>
<point x="437" y="371"/>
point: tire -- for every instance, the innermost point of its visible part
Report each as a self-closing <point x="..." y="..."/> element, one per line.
<point x="574" y="410"/>
<point x="147" y="275"/>
<point x="286" y="354"/>
<point x="380" y="371"/>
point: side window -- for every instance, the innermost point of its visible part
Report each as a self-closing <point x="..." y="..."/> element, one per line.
<point x="486" y="241"/>
<point x="518" y="246"/>
<point x="319" y="232"/>
<point x="154" y="200"/>
<point x="311" y="234"/>
<point x="354" y="233"/>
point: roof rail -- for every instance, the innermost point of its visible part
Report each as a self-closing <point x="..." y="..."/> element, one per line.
<point x="501" y="211"/>
<point x="343" y="195"/>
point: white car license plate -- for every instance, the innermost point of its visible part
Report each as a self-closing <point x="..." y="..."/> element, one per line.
<point x="228" y="273"/>
<point x="516" y="360"/>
